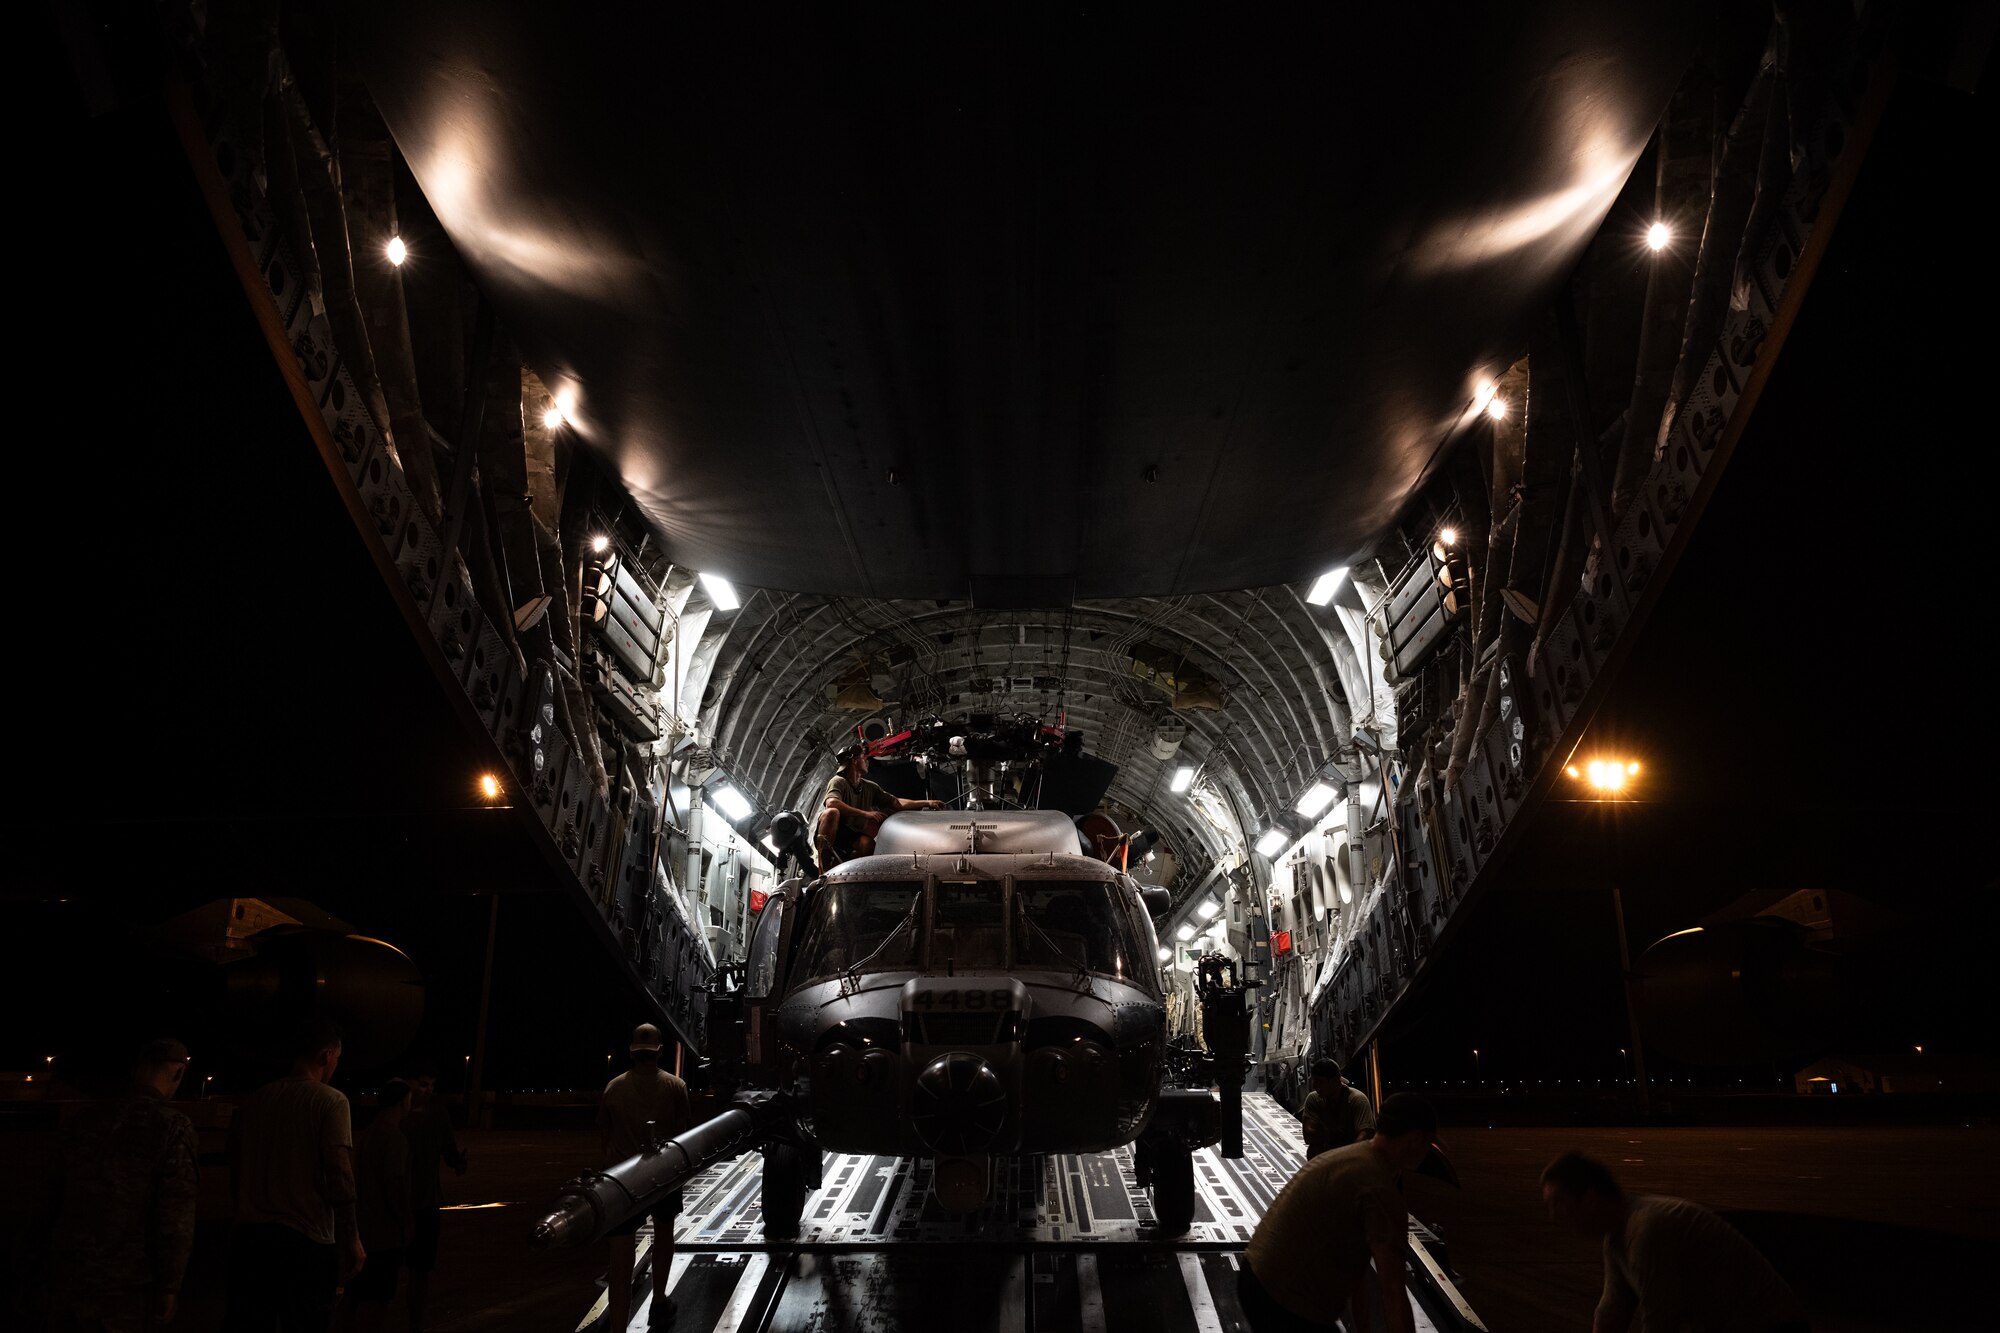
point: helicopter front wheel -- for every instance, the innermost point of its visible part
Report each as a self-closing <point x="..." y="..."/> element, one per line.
<point x="785" y="1189"/>
<point x="1173" y="1188"/>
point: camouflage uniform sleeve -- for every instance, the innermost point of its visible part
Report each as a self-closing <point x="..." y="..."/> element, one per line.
<point x="1311" y="1116"/>
<point x="1383" y="1219"/>
<point x="1364" y="1115"/>
<point x="337" y="1168"/>
<point x="175" y="1193"/>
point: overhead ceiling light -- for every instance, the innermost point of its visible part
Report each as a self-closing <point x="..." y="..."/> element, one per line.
<point x="1207" y="909"/>
<point x="721" y="592"/>
<point x="1659" y="236"/>
<point x="1185" y="933"/>
<point x="1483" y="395"/>
<point x="1272" y="842"/>
<point x="1449" y="536"/>
<point x="1183" y="779"/>
<point x="552" y="416"/>
<point x="771" y="846"/>
<point x="1166" y="954"/>
<point x="600" y="543"/>
<point x="1325" y="586"/>
<point x="731" y="802"/>
<point x="398" y="252"/>
<point x="1317" y="798"/>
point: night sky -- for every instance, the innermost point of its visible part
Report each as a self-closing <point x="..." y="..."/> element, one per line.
<point x="215" y="695"/>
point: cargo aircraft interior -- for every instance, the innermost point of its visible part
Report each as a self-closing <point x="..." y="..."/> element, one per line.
<point x="1013" y="584"/>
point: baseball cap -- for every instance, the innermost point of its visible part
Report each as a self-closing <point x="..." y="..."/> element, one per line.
<point x="1407" y="1113"/>
<point x="645" y="1037"/>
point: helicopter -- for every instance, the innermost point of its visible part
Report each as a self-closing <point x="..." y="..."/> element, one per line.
<point x="984" y="983"/>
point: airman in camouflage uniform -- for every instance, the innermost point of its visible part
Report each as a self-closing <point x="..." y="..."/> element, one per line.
<point x="126" y="1222"/>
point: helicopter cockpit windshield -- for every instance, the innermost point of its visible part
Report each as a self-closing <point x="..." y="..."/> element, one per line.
<point x="969" y="930"/>
<point x="852" y="925"/>
<point x="1066" y="925"/>
<point x="1076" y="924"/>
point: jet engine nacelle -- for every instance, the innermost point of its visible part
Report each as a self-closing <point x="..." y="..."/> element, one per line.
<point x="1740" y="993"/>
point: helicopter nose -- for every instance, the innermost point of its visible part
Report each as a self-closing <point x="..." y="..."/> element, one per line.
<point x="959" y="1105"/>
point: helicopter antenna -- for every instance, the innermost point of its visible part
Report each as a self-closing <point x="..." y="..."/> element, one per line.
<point x="973" y="828"/>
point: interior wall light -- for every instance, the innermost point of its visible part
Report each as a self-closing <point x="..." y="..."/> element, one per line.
<point x="1166" y="954"/>
<point x="1315" y="801"/>
<point x="1606" y="775"/>
<point x="1325" y="586"/>
<point x="1272" y="842"/>
<point x="398" y="252"/>
<point x="1185" y="933"/>
<point x="1183" y="779"/>
<point x="600" y="544"/>
<point x="721" y="592"/>
<point x="1207" y="909"/>
<point x="731" y="802"/>
<point x="1449" y="536"/>
<point x="1497" y="407"/>
<point x="552" y="416"/>
<point x="1659" y="236"/>
<point x="1483" y="395"/>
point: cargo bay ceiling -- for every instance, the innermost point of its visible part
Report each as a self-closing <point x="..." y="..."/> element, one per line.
<point x="1109" y="370"/>
<point x="1022" y="304"/>
<point x="1251" y="689"/>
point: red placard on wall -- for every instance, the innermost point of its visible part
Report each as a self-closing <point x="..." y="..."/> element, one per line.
<point x="1281" y="943"/>
<point x="757" y="899"/>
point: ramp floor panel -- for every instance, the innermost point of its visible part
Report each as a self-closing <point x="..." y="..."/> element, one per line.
<point x="1058" y="1199"/>
<point x="1065" y="1245"/>
<point x="1110" y="1289"/>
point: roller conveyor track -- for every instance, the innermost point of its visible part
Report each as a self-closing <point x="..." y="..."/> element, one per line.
<point x="1065" y="1246"/>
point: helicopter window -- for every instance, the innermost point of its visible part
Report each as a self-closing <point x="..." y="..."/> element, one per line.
<point x="849" y="925"/>
<point x="761" y="966"/>
<point x="969" y="929"/>
<point x="1075" y="923"/>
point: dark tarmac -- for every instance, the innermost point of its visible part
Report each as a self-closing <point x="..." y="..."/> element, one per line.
<point x="1842" y="1211"/>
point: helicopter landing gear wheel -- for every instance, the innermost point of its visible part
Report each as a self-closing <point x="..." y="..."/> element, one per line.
<point x="1173" y="1188"/>
<point x="785" y="1189"/>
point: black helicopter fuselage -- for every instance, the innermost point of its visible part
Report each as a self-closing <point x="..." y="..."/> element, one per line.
<point x="979" y="987"/>
<point x="949" y="1003"/>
